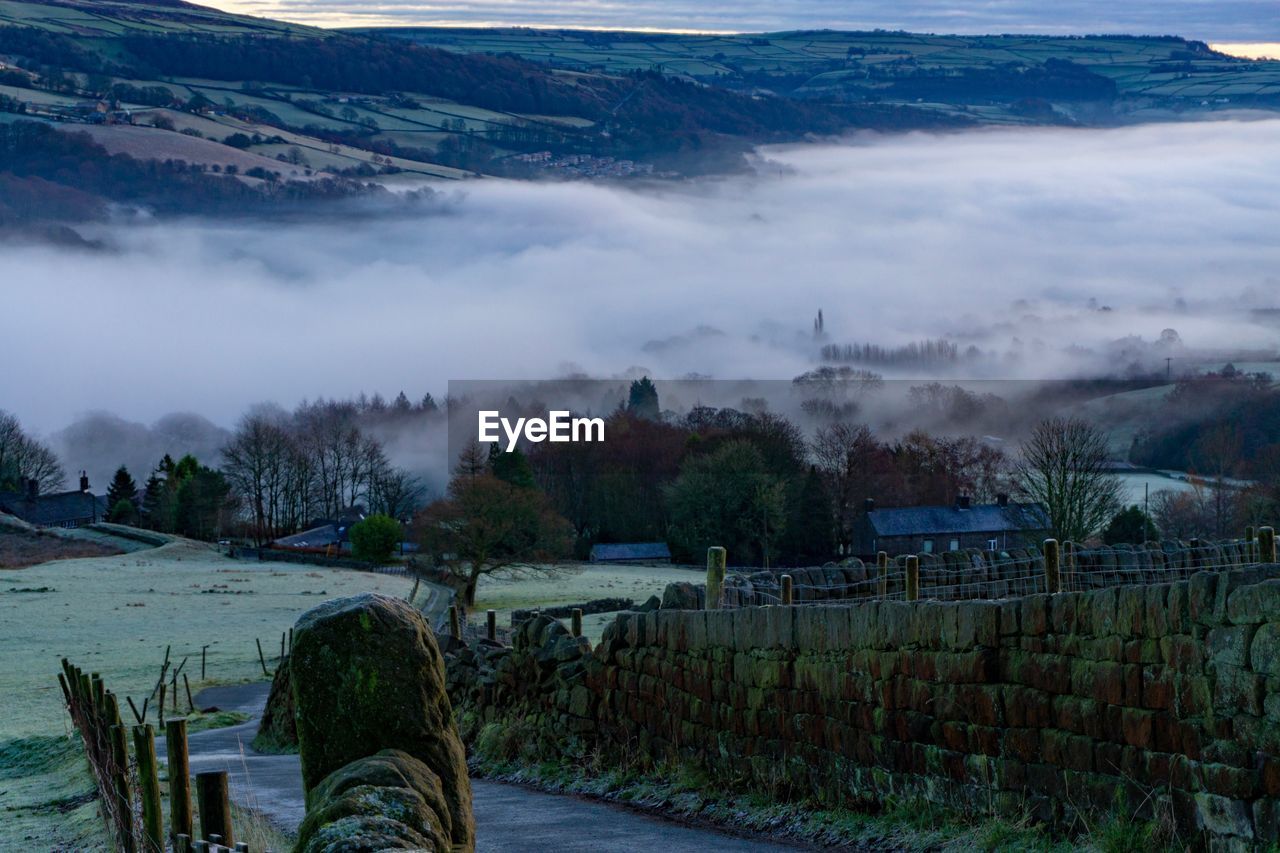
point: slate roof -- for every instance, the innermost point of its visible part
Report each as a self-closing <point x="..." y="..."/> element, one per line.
<point x="630" y="551"/>
<point x="982" y="518"/>
<point x="317" y="537"/>
<point x="55" y="509"/>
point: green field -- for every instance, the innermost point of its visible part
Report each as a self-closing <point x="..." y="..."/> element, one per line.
<point x="575" y="584"/>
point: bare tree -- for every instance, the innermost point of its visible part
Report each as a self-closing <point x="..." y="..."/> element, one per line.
<point x="853" y="466"/>
<point x="257" y="462"/>
<point x="486" y="525"/>
<point x="24" y="458"/>
<point x="1063" y="467"/>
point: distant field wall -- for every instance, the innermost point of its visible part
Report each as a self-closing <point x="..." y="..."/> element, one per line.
<point x="1160" y="701"/>
<point x="972" y="573"/>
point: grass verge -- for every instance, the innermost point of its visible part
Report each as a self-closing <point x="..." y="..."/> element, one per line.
<point x="509" y="752"/>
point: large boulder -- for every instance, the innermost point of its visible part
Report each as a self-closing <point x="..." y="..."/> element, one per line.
<point x="388" y="801"/>
<point x="366" y="676"/>
<point x="278" y="732"/>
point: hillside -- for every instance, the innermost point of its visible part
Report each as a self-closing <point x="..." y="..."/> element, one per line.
<point x="278" y="103"/>
<point x="990" y="79"/>
<point x="245" y="112"/>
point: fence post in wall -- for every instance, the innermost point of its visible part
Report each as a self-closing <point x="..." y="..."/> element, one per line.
<point x="1052" y="567"/>
<point x="1249" y="550"/>
<point x="787" y="591"/>
<point x="455" y="624"/>
<point x="717" y="558"/>
<point x="1267" y="544"/>
<point x="575" y="622"/>
<point x="913" y="578"/>
<point x="491" y="625"/>
<point x="1194" y="556"/>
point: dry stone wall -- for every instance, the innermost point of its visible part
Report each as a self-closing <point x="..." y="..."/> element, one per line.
<point x="974" y="573"/>
<point x="1148" y="699"/>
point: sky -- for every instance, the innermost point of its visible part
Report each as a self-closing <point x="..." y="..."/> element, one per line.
<point x="1014" y="240"/>
<point x="1209" y="20"/>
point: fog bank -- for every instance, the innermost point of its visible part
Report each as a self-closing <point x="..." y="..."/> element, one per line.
<point x="1024" y="243"/>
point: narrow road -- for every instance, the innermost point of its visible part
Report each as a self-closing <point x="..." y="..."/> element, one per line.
<point x="508" y="817"/>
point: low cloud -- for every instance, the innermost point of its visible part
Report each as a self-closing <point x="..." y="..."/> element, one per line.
<point x="1014" y="241"/>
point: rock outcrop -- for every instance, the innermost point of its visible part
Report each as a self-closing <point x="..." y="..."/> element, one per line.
<point x="382" y="764"/>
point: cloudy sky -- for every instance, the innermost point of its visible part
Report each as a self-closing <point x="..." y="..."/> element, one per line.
<point x="998" y="236"/>
<point x="1214" y="20"/>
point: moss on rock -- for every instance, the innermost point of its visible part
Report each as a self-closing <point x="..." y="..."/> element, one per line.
<point x="366" y="676"/>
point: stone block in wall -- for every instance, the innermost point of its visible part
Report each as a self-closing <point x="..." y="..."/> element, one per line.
<point x="1131" y="609"/>
<point x="1035" y="615"/>
<point x="1155" y="621"/>
<point x="1255" y="603"/>
<point x="1178" y="611"/>
<point x="1236" y="690"/>
<point x="1223" y="817"/>
<point x="1229" y="645"/>
<point x="928" y="627"/>
<point x="1145" y="651"/>
<point x="1202" y="592"/>
<point x="1062" y="613"/>
<point x="720" y="628"/>
<point x="1009" y="622"/>
<point x="1183" y="653"/>
<point x="1266" y="821"/>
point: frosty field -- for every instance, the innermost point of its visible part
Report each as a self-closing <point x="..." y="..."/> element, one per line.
<point x="115" y="615"/>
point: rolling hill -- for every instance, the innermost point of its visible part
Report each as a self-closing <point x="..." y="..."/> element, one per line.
<point x="246" y="109"/>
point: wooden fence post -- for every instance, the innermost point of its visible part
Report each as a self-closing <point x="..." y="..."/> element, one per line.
<point x="575" y="622"/>
<point x="144" y="746"/>
<point x="913" y="578"/>
<point x="1250" y="538"/>
<point x="180" y="822"/>
<point x="262" y="659"/>
<point x="120" y="785"/>
<point x="455" y="623"/>
<point x="786" y="589"/>
<point x="882" y="573"/>
<point x="1267" y="544"/>
<point x="1052" y="573"/>
<point x="491" y="625"/>
<point x="214" y="803"/>
<point x="1194" y="556"/>
<point x="717" y="559"/>
<point x="182" y="844"/>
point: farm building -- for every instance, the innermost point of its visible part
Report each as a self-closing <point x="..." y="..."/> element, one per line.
<point x="639" y="552"/>
<point x="59" y="509"/>
<point x="931" y="529"/>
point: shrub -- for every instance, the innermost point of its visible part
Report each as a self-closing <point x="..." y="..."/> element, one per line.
<point x="375" y="538"/>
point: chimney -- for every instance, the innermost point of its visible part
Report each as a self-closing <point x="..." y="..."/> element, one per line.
<point x="84" y="481"/>
<point x="1002" y="500"/>
<point x="33" y="488"/>
<point x="963" y="502"/>
<point x="869" y="505"/>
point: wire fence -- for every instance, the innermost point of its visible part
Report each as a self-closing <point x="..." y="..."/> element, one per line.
<point x="975" y="574"/>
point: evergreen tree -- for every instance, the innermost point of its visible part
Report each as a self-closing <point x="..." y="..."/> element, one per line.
<point x="643" y="400"/>
<point x="1130" y="526"/>
<point x="121" y="495"/>
<point x="122" y="488"/>
<point x="511" y="466"/>
<point x="810" y="539"/>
